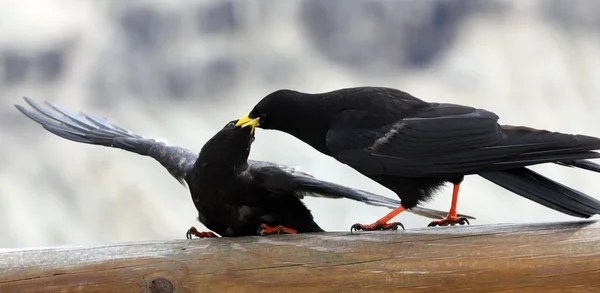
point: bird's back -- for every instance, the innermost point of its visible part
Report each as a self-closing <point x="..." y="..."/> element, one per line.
<point x="388" y="104"/>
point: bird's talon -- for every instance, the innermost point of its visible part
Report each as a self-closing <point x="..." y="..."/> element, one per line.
<point x="376" y="226"/>
<point x="264" y="229"/>
<point x="261" y="228"/>
<point x="193" y="231"/>
<point x="464" y="220"/>
<point x="449" y="221"/>
<point x="395" y="226"/>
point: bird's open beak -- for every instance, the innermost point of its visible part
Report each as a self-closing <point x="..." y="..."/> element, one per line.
<point x="247" y="121"/>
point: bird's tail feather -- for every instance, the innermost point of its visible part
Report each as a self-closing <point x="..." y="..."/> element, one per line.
<point x="583" y="164"/>
<point x="547" y="192"/>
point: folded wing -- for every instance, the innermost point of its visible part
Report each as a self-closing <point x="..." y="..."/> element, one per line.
<point x="449" y="139"/>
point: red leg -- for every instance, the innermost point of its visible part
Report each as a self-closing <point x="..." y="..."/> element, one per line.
<point x="264" y="229"/>
<point x="382" y="224"/>
<point x="194" y="231"/>
<point x="451" y="219"/>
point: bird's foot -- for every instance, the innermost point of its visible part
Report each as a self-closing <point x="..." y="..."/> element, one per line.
<point x="264" y="229"/>
<point x="377" y="226"/>
<point x="194" y="231"/>
<point x="449" y="221"/>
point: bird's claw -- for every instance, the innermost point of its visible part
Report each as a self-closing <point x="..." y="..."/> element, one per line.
<point x="376" y="226"/>
<point x="264" y="229"/>
<point x="194" y="232"/>
<point x="449" y="221"/>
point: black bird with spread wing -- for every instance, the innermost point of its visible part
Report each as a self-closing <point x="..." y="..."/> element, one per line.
<point x="234" y="196"/>
<point x="414" y="147"/>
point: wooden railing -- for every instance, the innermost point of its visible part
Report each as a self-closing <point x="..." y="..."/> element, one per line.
<point x="551" y="257"/>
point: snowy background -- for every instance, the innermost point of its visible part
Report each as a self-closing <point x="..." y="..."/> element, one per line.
<point x="179" y="70"/>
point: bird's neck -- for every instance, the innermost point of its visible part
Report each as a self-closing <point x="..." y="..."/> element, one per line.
<point x="308" y="119"/>
<point x="220" y="166"/>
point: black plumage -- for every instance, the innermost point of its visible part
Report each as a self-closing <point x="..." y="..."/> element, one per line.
<point x="413" y="147"/>
<point x="234" y="196"/>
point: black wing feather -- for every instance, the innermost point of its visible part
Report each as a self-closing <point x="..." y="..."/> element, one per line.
<point x="448" y="140"/>
<point x="583" y="164"/>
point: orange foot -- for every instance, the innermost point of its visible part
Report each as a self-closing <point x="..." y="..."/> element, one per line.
<point x="377" y="226"/>
<point x="193" y="231"/>
<point x="264" y="229"/>
<point x="381" y="224"/>
<point x="450" y="220"/>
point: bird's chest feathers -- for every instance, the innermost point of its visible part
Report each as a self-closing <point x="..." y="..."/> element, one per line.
<point x="215" y="182"/>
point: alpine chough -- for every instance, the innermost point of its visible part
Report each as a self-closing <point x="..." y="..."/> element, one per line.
<point x="414" y="147"/>
<point x="234" y="196"/>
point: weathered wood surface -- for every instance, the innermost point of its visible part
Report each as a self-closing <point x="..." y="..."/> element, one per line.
<point x="556" y="257"/>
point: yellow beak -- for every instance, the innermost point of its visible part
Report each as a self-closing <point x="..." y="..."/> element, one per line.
<point x="247" y="121"/>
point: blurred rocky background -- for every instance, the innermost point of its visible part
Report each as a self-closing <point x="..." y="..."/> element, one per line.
<point x="178" y="70"/>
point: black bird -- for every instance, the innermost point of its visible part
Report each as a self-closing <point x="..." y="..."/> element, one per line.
<point x="414" y="147"/>
<point x="234" y="196"/>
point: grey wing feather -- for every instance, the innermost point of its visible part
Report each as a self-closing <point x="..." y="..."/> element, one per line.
<point x="285" y="178"/>
<point x="86" y="128"/>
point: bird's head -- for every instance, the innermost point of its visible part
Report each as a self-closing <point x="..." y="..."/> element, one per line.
<point x="236" y="137"/>
<point x="304" y="116"/>
<point x="273" y="112"/>
<point x="230" y="143"/>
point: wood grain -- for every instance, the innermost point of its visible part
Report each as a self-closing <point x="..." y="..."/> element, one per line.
<point x="552" y="257"/>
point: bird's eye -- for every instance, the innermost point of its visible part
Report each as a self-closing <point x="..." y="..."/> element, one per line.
<point x="230" y="124"/>
<point x="263" y="118"/>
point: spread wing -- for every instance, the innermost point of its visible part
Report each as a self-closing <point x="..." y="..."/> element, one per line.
<point x="282" y="178"/>
<point x="448" y="139"/>
<point x="85" y="128"/>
